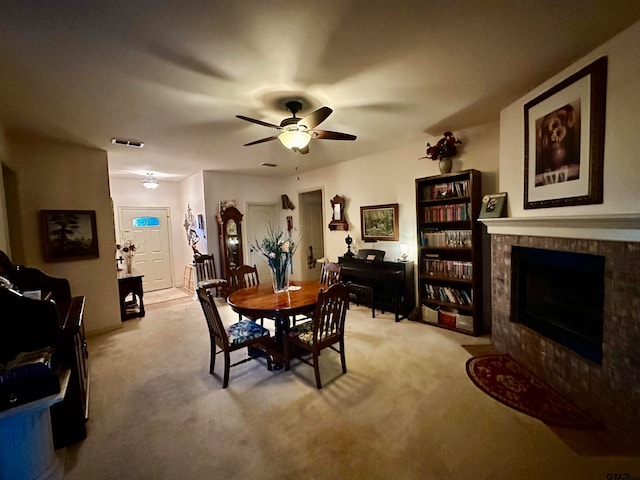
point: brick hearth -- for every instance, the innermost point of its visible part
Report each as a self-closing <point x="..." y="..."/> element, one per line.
<point x="610" y="391"/>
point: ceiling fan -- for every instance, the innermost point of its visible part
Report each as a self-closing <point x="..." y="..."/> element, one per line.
<point x="296" y="133"/>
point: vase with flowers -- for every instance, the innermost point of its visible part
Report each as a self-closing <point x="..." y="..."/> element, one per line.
<point x="278" y="249"/>
<point x="126" y="253"/>
<point x="444" y="151"/>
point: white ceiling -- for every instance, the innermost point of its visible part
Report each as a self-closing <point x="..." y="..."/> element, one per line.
<point x="174" y="74"/>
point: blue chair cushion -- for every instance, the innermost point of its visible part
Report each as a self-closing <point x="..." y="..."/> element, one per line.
<point x="245" y="330"/>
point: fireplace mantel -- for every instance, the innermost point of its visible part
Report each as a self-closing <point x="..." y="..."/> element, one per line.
<point x="620" y="227"/>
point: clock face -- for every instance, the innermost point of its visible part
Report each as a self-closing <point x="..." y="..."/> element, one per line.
<point x="232" y="228"/>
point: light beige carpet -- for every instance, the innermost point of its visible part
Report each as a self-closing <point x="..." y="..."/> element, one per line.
<point x="165" y="295"/>
<point x="404" y="410"/>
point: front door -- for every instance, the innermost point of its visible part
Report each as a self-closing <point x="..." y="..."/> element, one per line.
<point x="260" y="217"/>
<point x="148" y="229"/>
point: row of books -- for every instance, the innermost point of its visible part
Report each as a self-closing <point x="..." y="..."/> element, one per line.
<point x="449" y="268"/>
<point x="447" y="213"/>
<point x="460" y="296"/>
<point x="446" y="238"/>
<point x="446" y="190"/>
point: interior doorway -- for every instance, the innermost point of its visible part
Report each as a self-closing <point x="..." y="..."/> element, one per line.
<point x="312" y="229"/>
<point x="148" y="229"/>
<point x="258" y="219"/>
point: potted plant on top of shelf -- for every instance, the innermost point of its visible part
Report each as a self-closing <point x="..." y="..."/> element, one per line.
<point x="444" y="151"/>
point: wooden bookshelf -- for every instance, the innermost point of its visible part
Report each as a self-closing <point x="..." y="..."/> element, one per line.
<point x="450" y="250"/>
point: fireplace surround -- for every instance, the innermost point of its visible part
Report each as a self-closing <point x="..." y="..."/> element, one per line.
<point x="610" y="390"/>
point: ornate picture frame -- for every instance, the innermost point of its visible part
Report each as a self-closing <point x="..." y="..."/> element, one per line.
<point x="338" y="221"/>
<point x="379" y="222"/>
<point x="68" y="235"/>
<point x="564" y="141"/>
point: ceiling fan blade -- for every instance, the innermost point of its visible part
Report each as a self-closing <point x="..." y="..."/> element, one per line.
<point x="328" y="135"/>
<point x="262" y="140"/>
<point x="315" y="118"/>
<point x="259" y="122"/>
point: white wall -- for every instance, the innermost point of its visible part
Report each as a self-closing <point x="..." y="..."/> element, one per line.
<point x="386" y="177"/>
<point x="131" y="193"/>
<point x="622" y="142"/>
<point x="389" y="177"/>
<point x="61" y="176"/>
<point x="192" y="194"/>
<point x="244" y="189"/>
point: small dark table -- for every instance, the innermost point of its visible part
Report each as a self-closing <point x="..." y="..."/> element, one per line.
<point x="130" y="283"/>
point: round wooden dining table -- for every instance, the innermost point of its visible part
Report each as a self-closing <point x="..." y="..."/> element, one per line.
<point x="261" y="302"/>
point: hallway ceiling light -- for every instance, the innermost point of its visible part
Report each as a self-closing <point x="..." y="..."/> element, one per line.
<point x="150" y="181"/>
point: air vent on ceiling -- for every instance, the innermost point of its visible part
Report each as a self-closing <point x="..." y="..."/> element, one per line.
<point x="266" y="164"/>
<point x="127" y="143"/>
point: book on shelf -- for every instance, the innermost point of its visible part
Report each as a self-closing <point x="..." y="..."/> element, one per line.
<point x="447" y="213"/>
<point x="459" y="296"/>
<point x="446" y="238"/>
<point x="448" y="268"/>
<point x="440" y="191"/>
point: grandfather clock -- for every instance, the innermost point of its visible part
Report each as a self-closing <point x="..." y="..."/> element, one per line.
<point x="230" y="239"/>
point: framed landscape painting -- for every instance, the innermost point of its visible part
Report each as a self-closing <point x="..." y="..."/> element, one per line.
<point x="564" y="141"/>
<point x="68" y="235"/>
<point x="379" y="222"/>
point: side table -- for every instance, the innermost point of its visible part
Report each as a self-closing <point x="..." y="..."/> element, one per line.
<point x="130" y="284"/>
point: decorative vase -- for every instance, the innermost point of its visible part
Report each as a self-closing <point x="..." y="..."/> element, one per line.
<point x="445" y="164"/>
<point x="280" y="266"/>
<point x="129" y="264"/>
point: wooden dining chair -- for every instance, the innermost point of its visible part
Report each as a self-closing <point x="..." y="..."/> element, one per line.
<point x="244" y="276"/>
<point x="244" y="333"/>
<point x="326" y="330"/>
<point x="331" y="273"/>
<point x="207" y="276"/>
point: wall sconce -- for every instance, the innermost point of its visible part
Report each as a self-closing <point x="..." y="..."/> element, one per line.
<point x="150" y="181"/>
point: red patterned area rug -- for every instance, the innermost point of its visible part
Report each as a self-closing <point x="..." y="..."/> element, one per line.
<point x="501" y="377"/>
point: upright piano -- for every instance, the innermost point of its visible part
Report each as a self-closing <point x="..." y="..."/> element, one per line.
<point x="392" y="282"/>
<point x="55" y="320"/>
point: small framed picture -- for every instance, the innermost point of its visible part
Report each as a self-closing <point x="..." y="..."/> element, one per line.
<point x="68" y="235"/>
<point x="494" y="205"/>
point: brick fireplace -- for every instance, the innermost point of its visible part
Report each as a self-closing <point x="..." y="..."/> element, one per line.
<point x="611" y="390"/>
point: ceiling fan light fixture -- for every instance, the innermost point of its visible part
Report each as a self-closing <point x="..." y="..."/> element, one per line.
<point x="294" y="139"/>
<point x="149" y="181"/>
